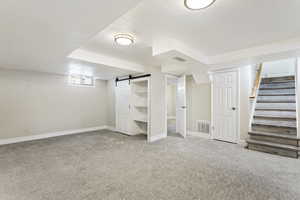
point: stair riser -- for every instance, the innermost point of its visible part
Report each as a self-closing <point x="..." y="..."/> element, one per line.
<point x="277" y="114"/>
<point x="270" y="129"/>
<point x="282" y="91"/>
<point x="277" y="85"/>
<point x="278" y="88"/>
<point x="276" y="98"/>
<point x="290" y="106"/>
<point x="274" y="118"/>
<point x="274" y="140"/>
<point x="278" y="79"/>
<point x="273" y="150"/>
<point x="278" y="123"/>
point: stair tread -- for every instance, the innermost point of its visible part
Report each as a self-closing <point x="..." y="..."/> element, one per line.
<point x="278" y="88"/>
<point x="275" y="117"/>
<point x="277" y="135"/>
<point x="277" y="97"/>
<point x="277" y="91"/>
<point x="275" y="123"/>
<point x="274" y="109"/>
<point x="276" y="101"/>
<point x="284" y="106"/>
<point x="278" y="81"/>
<point x="292" y="78"/>
<point x="277" y="85"/>
<point x="277" y="94"/>
<point x="270" y="144"/>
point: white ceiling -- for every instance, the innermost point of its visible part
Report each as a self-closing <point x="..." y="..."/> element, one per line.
<point x="211" y="36"/>
<point x="39" y="35"/>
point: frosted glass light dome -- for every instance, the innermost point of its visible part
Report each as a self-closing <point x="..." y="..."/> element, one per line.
<point x="198" y="4"/>
<point x="124" y="39"/>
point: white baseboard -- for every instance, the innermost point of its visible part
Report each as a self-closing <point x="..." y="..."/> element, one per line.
<point x="157" y="137"/>
<point x="243" y="143"/>
<point x="111" y="128"/>
<point x="199" y="134"/>
<point x="49" y="135"/>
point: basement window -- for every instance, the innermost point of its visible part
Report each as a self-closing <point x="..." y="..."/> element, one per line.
<point x="81" y="80"/>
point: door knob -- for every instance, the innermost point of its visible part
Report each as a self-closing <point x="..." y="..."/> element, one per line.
<point x="183" y="107"/>
<point x="233" y="108"/>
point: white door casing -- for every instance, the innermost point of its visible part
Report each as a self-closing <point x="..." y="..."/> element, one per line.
<point x="122" y="106"/>
<point x="181" y="106"/>
<point x="225" y="105"/>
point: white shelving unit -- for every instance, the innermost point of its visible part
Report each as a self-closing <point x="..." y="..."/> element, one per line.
<point x="133" y="107"/>
<point x="140" y="104"/>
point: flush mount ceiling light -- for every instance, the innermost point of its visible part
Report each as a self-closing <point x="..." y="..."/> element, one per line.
<point x="198" y="4"/>
<point x="124" y="39"/>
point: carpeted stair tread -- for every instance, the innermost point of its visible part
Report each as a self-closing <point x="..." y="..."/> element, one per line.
<point x="278" y="79"/>
<point x="277" y="91"/>
<point x="276" y="106"/>
<point x="275" y="123"/>
<point x="270" y="144"/>
<point x="277" y="85"/>
<point x="277" y="135"/>
<point x="276" y="98"/>
<point x="275" y="114"/>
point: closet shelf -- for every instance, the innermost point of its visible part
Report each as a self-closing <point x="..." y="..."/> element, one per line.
<point x="141" y="120"/>
<point x="141" y="106"/>
<point x="141" y="91"/>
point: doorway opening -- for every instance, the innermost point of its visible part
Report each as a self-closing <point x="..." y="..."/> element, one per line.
<point x="175" y="116"/>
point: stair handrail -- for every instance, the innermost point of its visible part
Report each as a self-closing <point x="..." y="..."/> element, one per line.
<point x="257" y="81"/>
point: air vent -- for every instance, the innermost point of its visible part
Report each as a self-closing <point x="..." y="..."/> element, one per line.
<point x="203" y="126"/>
<point x="179" y="59"/>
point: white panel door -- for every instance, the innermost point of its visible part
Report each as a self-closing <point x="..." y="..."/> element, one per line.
<point x="225" y="106"/>
<point x="181" y="106"/>
<point x="123" y="106"/>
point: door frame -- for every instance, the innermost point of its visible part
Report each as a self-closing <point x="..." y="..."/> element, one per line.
<point x="211" y="74"/>
<point x="166" y="102"/>
<point x="297" y="84"/>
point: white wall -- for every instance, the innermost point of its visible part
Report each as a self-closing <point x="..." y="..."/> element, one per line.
<point x="171" y="99"/>
<point x="279" y="68"/>
<point x="158" y="107"/>
<point x="36" y="103"/>
<point x="246" y="76"/>
<point x="198" y="103"/>
<point x="111" y="102"/>
<point x="298" y="95"/>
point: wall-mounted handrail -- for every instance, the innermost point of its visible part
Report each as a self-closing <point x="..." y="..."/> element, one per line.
<point x="257" y="81"/>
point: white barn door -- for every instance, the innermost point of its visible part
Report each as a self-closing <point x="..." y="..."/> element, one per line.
<point x="225" y="102"/>
<point x="123" y="106"/>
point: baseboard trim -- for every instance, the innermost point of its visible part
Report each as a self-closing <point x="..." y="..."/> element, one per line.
<point x="157" y="137"/>
<point x="242" y="143"/>
<point x="49" y="135"/>
<point x="111" y="128"/>
<point x="199" y="134"/>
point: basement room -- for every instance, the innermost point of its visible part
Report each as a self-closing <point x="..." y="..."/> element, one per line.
<point x="149" y="100"/>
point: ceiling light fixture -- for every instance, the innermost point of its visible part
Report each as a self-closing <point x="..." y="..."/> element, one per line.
<point x="124" y="39"/>
<point x="198" y="4"/>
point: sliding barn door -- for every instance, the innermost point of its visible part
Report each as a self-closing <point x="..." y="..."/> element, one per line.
<point x="123" y="106"/>
<point x="225" y="115"/>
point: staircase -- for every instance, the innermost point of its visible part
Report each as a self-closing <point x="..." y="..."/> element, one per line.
<point x="274" y="122"/>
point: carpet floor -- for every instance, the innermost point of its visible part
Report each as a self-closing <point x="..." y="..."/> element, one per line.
<point x="110" y="166"/>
